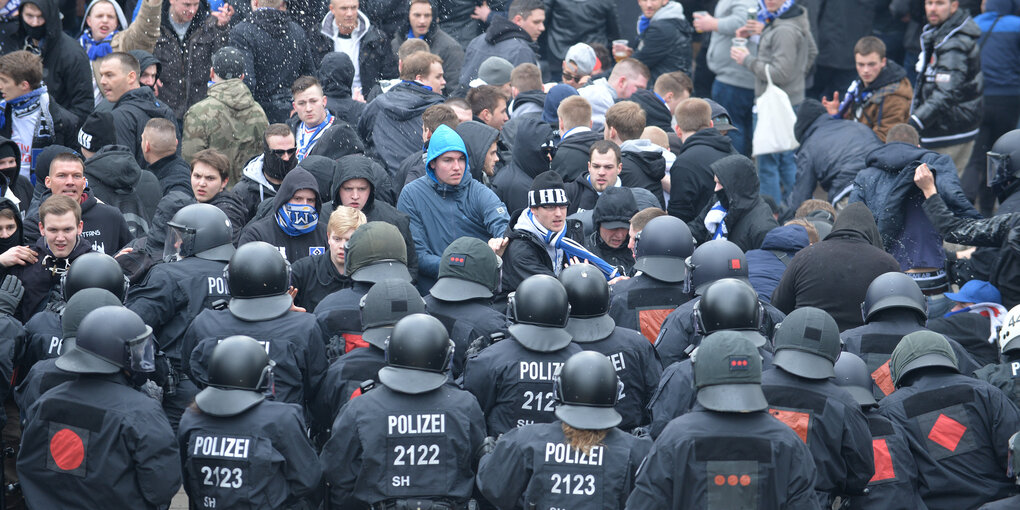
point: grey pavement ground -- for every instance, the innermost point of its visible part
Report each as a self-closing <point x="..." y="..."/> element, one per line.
<point x="180" y="501"/>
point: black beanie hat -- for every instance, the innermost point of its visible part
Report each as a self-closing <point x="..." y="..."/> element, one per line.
<point x="97" y="131"/>
<point x="547" y="189"/>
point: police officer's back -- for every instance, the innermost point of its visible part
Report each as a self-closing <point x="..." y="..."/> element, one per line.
<point x="893" y="306"/>
<point x="462" y="297"/>
<point x="896" y="483"/>
<point x="593" y="329"/>
<point x="412" y="438"/>
<point x="97" y="442"/>
<point x="956" y="425"/>
<point x="385" y="303"/>
<point x="510" y="378"/>
<point x="728" y="452"/>
<point x="580" y="461"/>
<point x="258" y="277"/>
<point x="240" y="450"/>
<point x="1005" y="375"/>
<point x="375" y="252"/>
<point x="802" y="394"/>
<point x="1013" y="469"/>
<point x="726" y="305"/>
<point x="644" y="301"/>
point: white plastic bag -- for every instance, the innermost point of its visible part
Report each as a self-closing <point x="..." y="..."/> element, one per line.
<point x="774" y="131"/>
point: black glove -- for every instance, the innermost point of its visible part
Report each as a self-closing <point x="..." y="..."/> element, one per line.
<point x="11" y="292"/>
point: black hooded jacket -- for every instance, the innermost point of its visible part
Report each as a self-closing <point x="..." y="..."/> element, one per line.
<point x="361" y="167"/>
<point x="748" y="217"/>
<point x="18" y="184"/>
<point x="644" y="169"/>
<point x="572" y="155"/>
<point x="148" y="251"/>
<point x="478" y="139"/>
<point x="396" y="117"/>
<point x="336" y="74"/>
<point x="65" y="64"/>
<point x="117" y="180"/>
<point x="18" y="238"/>
<point x="130" y="114"/>
<point x="315" y="278"/>
<point x="525" y="105"/>
<point x="231" y="205"/>
<point x="656" y="112"/>
<point x="266" y="229"/>
<point x="691" y="177"/>
<point x="513" y="182"/>
<point x="834" y="274"/>
<point x="615" y="205"/>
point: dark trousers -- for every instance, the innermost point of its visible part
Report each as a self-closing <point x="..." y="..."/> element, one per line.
<point x="738" y="102"/>
<point x="1001" y="115"/>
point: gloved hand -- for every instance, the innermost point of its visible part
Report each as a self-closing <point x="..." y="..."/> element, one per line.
<point x="11" y="292"/>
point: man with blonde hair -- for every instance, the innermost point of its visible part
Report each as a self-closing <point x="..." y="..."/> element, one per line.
<point x="318" y="276"/>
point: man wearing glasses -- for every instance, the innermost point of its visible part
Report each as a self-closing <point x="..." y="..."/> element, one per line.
<point x="263" y="175"/>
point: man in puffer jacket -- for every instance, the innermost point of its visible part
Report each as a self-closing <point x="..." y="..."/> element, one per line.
<point x="663" y="41"/>
<point x="571" y="21"/>
<point x="947" y="104"/>
<point x="765" y="266"/>
<point x="736" y="212"/>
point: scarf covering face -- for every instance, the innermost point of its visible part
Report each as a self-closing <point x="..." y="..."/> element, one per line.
<point x="297" y="219"/>
<point x="560" y="247"/>
<point x="767" y="17"/>
<point x="714" y="221"/>
<point x="96" y="49"/>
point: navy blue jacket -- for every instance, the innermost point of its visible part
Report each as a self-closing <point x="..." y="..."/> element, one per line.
<point x="764" y="267"/>
<point x="1000" y="55"/>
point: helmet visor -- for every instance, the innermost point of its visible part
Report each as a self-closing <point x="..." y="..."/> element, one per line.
<point x="179" y="244"/>
<point x="142" y="353"/>
<point x="997" y="166"/>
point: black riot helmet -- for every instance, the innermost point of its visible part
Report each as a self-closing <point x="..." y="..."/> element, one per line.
<point x="110" y="339"/>
<point x="199" y="230"/>
<point x="894" y="290"/>
<point x="713" y="261"/>
<point x="418" y="355"/>
<point x="730" y="304"/>
<point x="588" y="294"/>
<point x="258" y="277"/>
<point x="586" y="389"/>
<point x="661" y="248"/>
<point x="1003" y="160"/>
<point x="239" y="369"/>
<point x="540" y="310"/>
<point x="94" y="270"/>
<point x="853" y="375"/>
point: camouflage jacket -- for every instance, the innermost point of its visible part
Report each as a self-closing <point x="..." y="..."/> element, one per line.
<point x="228" y="120"/>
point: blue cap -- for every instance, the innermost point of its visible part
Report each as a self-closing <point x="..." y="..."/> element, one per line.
<point x="976" y="291"/>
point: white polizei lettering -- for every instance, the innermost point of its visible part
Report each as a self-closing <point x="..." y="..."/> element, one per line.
<point x="217" y="286"/>
<point x="539" y="370"/>
<point x="55" y="344"/>
<point x="562" y="453"/>
<point x="411" y="424"/>
<point x="229" y="447"/>
<point x="619" y="363"/>
<point x="1015" y="367"/>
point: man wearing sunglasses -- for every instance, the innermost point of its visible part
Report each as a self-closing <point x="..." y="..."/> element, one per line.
<point x="263" y="175"/>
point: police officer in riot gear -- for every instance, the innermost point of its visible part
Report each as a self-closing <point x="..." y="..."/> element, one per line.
<point x="172" y="294"/>
<point x="260" y="307"/>
<point x="376" y="252"/>
<point x="593" y="329"/>
<point x="642" y="302"/>
<point x="893" y="307"/>
<point x="385" y="303"/>
<point x="1012" y="470"/>
<point x="97" y="442"/>
<point x="896" y="481"/>
<point x="727" y="452"/>
<point x="725" y="305"/>
<point x="412" y="441"/>
<point x="1005" y="375"/>
<point x="801" y="393"/>
<point x="462" y="297"/>
<point x="240" y="450"/>
<point x="711" y="261"/>
<point x="580" y="461"/>
<point x="957" y="425"/>
<point x="510" y="378"/>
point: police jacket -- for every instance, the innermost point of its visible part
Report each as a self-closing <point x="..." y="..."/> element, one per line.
<point x="676" y="393"/>
<point x="874" y="343"/>
<point x="830" y="421"/>
<point x="388" y="445"/>
<point x="261" y="458"/>
<point x="1005" y="376"/>
<point x="831" y="153"/>
<point x="533" y="466"/>
<point x="98" y="443"/>
<point x="957" y="428"/>
<point x="173" y="294"/>
<point x="947" y="105"/>
<point x="41" y="338"/>
<point x="42" y="377"/>
<point x="679" y="331"/>
<point x="339" y="315"/>
<point x="315" y="278"/>
<point x="465" y="321"/>
<point x="343" y="379"/>
<point x="572" y="154"/>
<point x="642" y="303"/>
<point x="896" y="484"/>
<point x="698" y="455"/>
<point x="639" y="370"/>
<point x="748" y="217"/>
<point x="513" y="384"/>
<point x="294" y="341"/>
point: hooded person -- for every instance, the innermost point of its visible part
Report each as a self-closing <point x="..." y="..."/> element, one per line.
<point x="336" y="74"/>
<point x="16" y="185"/>
<point x="105" y="29"/>
<point x="530" y="157"/>
<point x="294" y="227"/>
<point x="17" y="237"/>
<point x="821" y="275"/>
<point x="255" y="185"/>
<point x="737" y="212"/>
<point x="478" y="138"/>
<point x="610" y="238"/>
<point x="355" y="186"/>
<point x="656" y="110"/>
<point x="145" y="60"/>
<point x="117" y="180"/>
